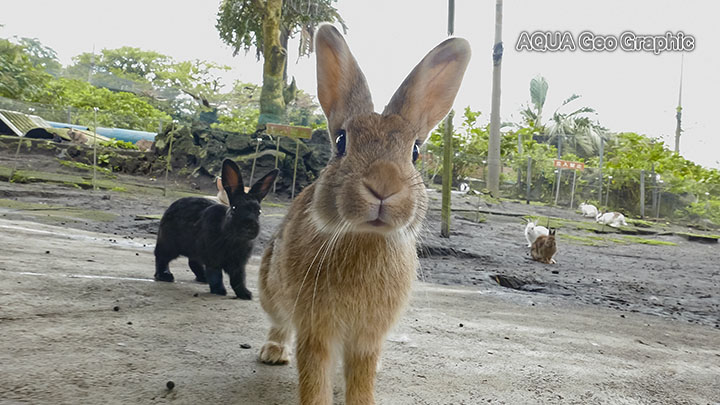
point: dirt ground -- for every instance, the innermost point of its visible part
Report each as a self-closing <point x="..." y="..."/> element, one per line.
<point x="81" y="320"/>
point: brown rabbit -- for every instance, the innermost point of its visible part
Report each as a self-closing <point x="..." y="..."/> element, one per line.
<point x="544" y="248"/>
<point x="339" y="270"/>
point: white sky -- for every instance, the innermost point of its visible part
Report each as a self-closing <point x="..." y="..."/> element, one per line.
<point x="630" y="91"/>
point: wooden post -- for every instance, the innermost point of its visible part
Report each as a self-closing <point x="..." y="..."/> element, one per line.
<point x="557" y="190"/>
<point x="607" y="196"/>
<point x="277" y="156"/>
<point x="529" y="179"/>
<point x="169" y="159"/>
<point x="17" y="157"/>
<point x="297" y="151"/>
<point x="447" y="176"/>
<point x="94" y="183"/>
<point x="572" y="193"/>
<point x="642" y="193"/>
<point x="600" y="165"/>
<point x="653" y="198"/>
<point x="252" y="171"/>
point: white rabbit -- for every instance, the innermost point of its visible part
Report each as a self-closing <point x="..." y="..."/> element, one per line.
<point x="532" y="231"/>
<point x="221" y="196"/>
<point x="589" y="210"/>
<point x="614" y="219"/>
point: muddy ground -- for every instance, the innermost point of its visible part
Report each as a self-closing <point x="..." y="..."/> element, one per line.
<point x="615" y="321"/>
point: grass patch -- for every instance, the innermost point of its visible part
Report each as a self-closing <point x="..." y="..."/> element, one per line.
<point x="57" y="212"/>
<point x="637" y="239"/>
<point x="85" y="167"/>
<point x="583" y="240"/>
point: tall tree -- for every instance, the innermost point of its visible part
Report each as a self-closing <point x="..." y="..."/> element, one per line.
<point x="267" y="26"/>
<point x="493" y="180"/>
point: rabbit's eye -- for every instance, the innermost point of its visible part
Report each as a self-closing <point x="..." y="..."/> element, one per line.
<point x="340" y="143"/>
<point x="416" y="152"/>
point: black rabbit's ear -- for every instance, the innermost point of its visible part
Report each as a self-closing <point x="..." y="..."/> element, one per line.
<point x="231" y="178"/>
<point x="260" y="189"/>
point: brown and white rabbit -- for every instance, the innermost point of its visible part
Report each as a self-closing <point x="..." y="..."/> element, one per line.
<point x="544" y="248"/>
<point x="338" y="272"/>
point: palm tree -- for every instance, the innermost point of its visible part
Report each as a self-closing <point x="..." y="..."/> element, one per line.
<point x="572" y="131"/>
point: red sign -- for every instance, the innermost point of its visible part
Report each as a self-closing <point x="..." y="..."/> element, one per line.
<point x="566" y="164"/>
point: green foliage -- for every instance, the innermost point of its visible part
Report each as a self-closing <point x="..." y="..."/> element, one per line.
<point x="118" y="144"/>
<point x="182" y="89"/>
<point x="19" y="78"/>
<point x="117" y="109"/>
<point x="240" y="120"/>
<point x="239" y="22"/>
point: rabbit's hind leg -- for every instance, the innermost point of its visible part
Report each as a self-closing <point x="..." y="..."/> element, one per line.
<point x="198" y="269"/>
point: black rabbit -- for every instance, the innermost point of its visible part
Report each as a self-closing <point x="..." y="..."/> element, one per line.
<point x="214" y="237"/>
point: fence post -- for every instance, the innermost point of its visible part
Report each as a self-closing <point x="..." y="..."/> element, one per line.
<point x="297" y="151"/>
<point x="169" y="158"/>
<point x="572" y="193"/>
<point x="519" y="172"/>
<point x="642" y="193"/>
<point x="600" y="165"/>
<point x="277" y="156"/>
<point x="529" y="179"/>
<point x="447" y="175"/>
<point x="654" y="190"/>
<point x="94" y="181"/>
<point x="607" y="195"/>
<point x="257" y="147"/>
<point x="557" y="190"/>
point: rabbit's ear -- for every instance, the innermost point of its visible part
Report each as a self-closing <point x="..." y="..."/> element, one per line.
<point x="261" y="187"/>
<point x="218" y="183"/>
<point x="342" y="88"/>
<point x="231" y="178"/>
<point x="428" y="93"/>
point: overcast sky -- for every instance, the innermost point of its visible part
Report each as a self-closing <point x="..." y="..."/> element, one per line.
<point x="631" y="91"/>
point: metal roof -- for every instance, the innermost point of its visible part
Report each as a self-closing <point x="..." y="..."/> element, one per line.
<point x="20" y="123"/>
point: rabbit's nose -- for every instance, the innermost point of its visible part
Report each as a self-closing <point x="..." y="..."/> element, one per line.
<point x="383" y="180"/>
<point x="379" y="195"/>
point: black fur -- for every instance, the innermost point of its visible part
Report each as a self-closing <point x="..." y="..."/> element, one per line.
<point x="212" y="236"/>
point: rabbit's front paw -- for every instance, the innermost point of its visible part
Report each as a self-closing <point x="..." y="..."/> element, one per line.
<point x="164" y="276"/>
<point x="243" y="293"/>
<point x="274" y="353"/>
<point x="218" y="290"/>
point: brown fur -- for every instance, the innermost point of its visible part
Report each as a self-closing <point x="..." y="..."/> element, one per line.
<point x="331" y="276"/>
<point x="544" y="248"/>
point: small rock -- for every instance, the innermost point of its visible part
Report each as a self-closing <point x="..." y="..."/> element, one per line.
<point x="555" y="272"/>
<point x="47" y="252"/>
<point x="129" y="322"/>
<point x="170" y="385"/>
<point x="195" y="295"/>
<point x="116" y="308"/>
<point x="137" y="254"/>
<point x="245" y="346"/>
<point x="461" y="325"/>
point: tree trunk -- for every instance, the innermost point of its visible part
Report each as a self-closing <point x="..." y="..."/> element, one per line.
<point x="493" y="179"/>
<point x="272" y="103"/>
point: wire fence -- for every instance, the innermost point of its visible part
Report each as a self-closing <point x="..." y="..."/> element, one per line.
<point x="633" y="192"/>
